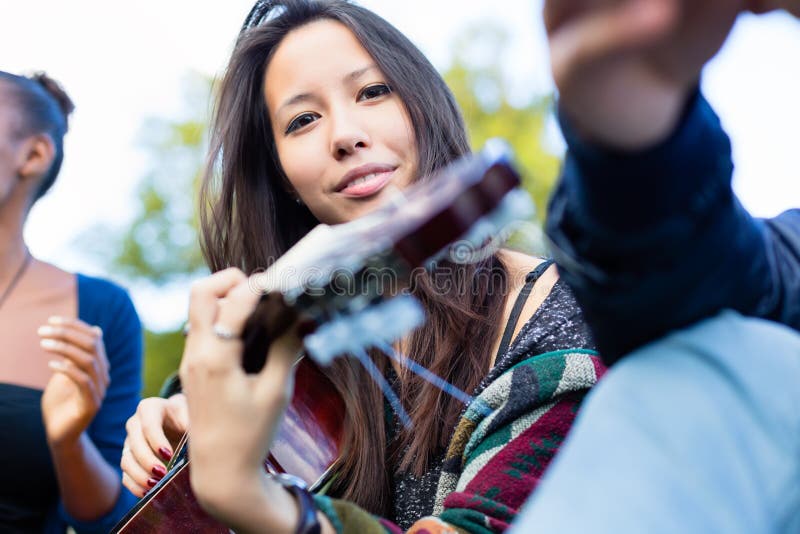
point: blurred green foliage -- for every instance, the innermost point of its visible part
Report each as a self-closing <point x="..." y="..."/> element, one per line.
<point x="483" y="92"/>
<point x="162" y="356"/>
<point x="160" y="245"/>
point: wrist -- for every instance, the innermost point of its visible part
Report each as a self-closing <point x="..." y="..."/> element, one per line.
<point x="292" y="507"/>
<point x="67" y="445"/>
<point x="250" y="504"/>
<point x="308" y="517"/>
<point x="643" y="119"/>
<point x="627" y="190"/>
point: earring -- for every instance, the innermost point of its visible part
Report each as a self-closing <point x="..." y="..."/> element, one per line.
<point x="299" y="201"/>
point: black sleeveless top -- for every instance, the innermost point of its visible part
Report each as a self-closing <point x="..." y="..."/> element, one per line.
<point x="28" y="486"/>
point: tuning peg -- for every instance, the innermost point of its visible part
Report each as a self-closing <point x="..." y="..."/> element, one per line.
<point x="382" y="324"/>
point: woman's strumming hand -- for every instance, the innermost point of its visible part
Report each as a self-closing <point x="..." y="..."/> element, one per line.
<point x="153" y="432"/>
<point x="234" y="415"/>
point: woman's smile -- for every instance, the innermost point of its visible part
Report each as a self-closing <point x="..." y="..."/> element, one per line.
<point x="365" y="180"/>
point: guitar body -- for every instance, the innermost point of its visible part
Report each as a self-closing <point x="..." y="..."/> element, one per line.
<point x="170" y="508"/>
<point x="307" y="445"/>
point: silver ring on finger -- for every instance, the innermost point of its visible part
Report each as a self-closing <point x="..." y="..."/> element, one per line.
<point x="224" y="333"/>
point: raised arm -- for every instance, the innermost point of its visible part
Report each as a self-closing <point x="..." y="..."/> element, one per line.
<point x="86" y="436"/>
<point x="644" y="224"/>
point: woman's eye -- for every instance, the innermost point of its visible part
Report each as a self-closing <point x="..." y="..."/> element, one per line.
<point x="374" y="91"/>
<point x="303" y="120"/>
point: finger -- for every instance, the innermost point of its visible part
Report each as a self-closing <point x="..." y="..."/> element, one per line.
<point x="86" y="385"/>
<point x="75" y="323"/>
<point x="87" y="337"/>
<point x="77" y="357"/>
<point x="133" y="470"/>
<point x="102" y="358"/>
<point x="104" y="368"/>
<point x="153" y="415"/>
<point x="601" y="33"/>
<point x="218" y="346"/>
<point x="236" y="307"/>
<point x="91" y="333"/>
<point x="206" y="292"/>
<point x="99" y="344"/>
<point x="132" y="486"/>
<point x="140" y="450"/>
<point x="84" y="339"/>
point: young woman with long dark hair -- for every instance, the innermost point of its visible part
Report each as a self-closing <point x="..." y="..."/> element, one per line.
<point x="70" y="367"/>
<point x="324" y="108"/>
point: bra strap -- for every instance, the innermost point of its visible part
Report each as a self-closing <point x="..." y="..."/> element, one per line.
<point x="524" y="293"/>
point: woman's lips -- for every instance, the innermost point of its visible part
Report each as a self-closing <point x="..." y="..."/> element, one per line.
<point x="367" y="185"/>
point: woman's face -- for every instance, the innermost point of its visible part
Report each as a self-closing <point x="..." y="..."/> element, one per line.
<point x="9" y="144"/>
<point x="344" y="139"/>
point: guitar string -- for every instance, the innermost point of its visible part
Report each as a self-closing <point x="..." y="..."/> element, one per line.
<point x="386" y="389"/>
<point x="431" y="377"/>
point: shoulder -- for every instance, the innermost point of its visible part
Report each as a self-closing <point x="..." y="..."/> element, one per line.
<point x="107" y="305"/>
<point x="50" y="269"/>
<point x="101" y="289"/>
<point x="519" y="265"/>
<point x="550" y="318"/>
<point x="102" y="301"/>
<point x="50" y="278"/>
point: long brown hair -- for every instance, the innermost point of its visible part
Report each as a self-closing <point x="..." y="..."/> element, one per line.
<point x="249" y="219"/>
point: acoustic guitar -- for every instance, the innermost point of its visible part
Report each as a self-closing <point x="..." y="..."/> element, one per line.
<point x="333" y="282"/>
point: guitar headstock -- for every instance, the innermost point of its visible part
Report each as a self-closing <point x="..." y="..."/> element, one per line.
<point x="334" y="280"/>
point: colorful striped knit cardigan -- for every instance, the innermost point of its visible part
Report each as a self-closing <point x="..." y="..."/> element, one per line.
<point x="500" y="448"/>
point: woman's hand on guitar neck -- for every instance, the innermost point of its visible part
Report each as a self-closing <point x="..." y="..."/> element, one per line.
<point x="234" y="415"/>
<point x="153" y="432"/>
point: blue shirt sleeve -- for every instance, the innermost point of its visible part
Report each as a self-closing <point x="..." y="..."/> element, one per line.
<point x="655" y="240"/>
<point x="108" y="306"/>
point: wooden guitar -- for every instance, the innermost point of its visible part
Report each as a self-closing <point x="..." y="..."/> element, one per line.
<point x="325" y="282"/>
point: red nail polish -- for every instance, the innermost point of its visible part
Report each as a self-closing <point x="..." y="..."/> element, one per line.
<point x="152" y="482"/>
<point x="159" y="471"/>
<point x="165" y="453"/>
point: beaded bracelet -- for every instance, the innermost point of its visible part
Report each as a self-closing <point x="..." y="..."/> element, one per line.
<point x="308" y="524"/>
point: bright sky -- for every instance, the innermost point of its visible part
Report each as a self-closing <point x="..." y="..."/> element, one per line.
<point x="122" y="62"/>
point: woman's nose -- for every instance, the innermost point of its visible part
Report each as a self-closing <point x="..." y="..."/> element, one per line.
<point x="347" y="137"/>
